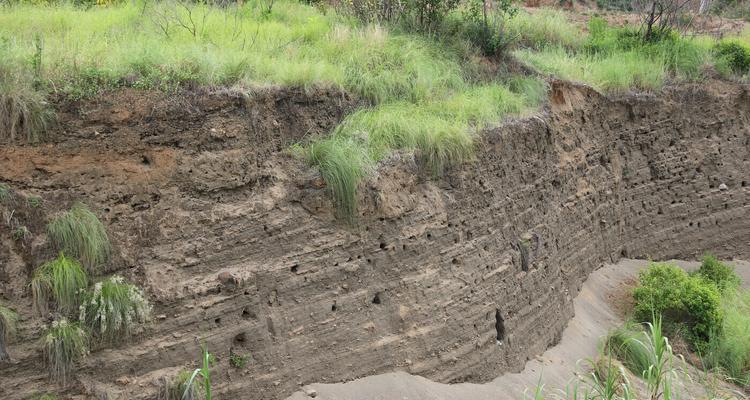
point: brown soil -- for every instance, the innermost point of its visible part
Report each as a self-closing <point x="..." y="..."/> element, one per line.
<point x="235" y="240"/>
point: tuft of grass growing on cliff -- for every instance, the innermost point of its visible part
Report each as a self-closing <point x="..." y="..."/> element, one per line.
<point x="80" y="234"/>
<point x="440" y="133"/>
<point x="728" y="350"/>
<point x="61" y="280"/>
<point x="64" y="344"/>
<point x="113" y="309"/>
<point x="24" y="112"/>
<point x="5" y="193"/>
<point x="8" y="325"/>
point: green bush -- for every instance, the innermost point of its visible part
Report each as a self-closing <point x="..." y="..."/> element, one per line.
<point x="722" y="275"/>
<point x="735" y="54"/>
<point x="685" y="302"/>
<point x="80" y="234"/>
<point x="113" y="308"/>
<point x="62" y="280"/>
<point x="64" y="344"/>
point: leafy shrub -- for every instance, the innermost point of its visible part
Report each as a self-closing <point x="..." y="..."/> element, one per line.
<point x="113" y="308"/>
<point x="64" y="344"/>
<point x="80" y="234"/>
<point x="62" y="280"/>
<point x="735" y="54"/>
<point x="722" y="275"/>
<point x="8" y="322"/>
<point x="683" y="301"/>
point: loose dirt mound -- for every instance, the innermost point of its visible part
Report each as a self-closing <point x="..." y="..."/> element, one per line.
<point x="433" y="277"/>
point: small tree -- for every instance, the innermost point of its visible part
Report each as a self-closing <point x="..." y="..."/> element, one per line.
<point x="660" y="17"/>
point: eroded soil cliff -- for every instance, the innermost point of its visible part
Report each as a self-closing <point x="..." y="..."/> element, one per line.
<point x="456" y="279"/>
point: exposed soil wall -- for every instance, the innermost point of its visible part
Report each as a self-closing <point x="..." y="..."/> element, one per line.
<point x="458" y="279"/>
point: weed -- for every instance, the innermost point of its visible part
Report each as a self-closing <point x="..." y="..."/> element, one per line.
<point x="64" y="344"/>
<point x="80" y="234"/>
<point x="204" y="373"/>
<point x="34" y="201"/>
<point x="179" y="388"/>
<point x="21" y="233"/>
<point x="237" y="360"/>
<point x="8" y="324"/>
<point x="5" y="193"/>
<point x="62" y="280"/>
<point x="113" y="308"/>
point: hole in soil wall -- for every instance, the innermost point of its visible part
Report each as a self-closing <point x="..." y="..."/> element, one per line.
<point x="294" y="268"/>
<point x="376" y="299"/>
<point x="240" y="339"/>
<point x="499" y="326"/>
<point x="247" y="314"/>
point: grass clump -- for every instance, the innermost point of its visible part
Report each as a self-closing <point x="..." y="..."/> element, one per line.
<point x="62" y="280"/>
<point x="179" y="388"/>
<point x="5" y="193"/>
<point x="64" y="344"/>
<point x="728" y="351"/>
<point x="544" y="28"/>
<point x="80" y="234"/>
<point x="685" y="302"/>
<point x="113" y="309"/>
<point x="24" y="112"/>
<point x="8" y="325"/>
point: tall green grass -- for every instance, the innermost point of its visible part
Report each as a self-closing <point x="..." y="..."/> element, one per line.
<point x="80" y="234"/>
<point x="728" y="350"/>
<point x="64" y="344"/>
<point x="5" y="193"/>
<point x="8" y="325"/>
<point x="113" y="309"/>
<point x="62" y="280"/>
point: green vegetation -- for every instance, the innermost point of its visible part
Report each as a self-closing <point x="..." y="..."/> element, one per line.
<point x="707" y="307"/>
<point x="718" y="273"/>
<point x="8" y="325"/>
<point x="647" y="350"/>
<point x="685" y="302"/>
<point x="204" y="373"/>
<point x="728" y="350"/>
<point x="62" y="280"/>
<point x="613" y="59"/>
<point x="5" y="193"/>
<point x="238" y="361"/>
<point x="179" y="389"/>
<point x="113" y="308"/>
<point x="64" y="344"/>
<point x="21" y="233"/>
<point x="45" y="396"/>
<point x="80" y="234"/>
<point x="734" y="56"/>
<point x="34" y="201"/>
<point x="23" y="109"/>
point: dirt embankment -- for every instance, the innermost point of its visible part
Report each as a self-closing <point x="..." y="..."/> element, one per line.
<point x="435" y="275"/>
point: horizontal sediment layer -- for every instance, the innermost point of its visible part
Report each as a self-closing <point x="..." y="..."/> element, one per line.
<point x="456" y="279"/>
